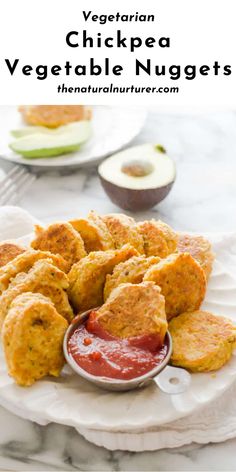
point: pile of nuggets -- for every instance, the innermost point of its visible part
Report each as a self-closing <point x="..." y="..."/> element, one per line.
<point x="134" y="270"/>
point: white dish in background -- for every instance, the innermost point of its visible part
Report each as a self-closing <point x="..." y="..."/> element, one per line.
<point x="113" y="128"/>
<point x="71" y="400"/>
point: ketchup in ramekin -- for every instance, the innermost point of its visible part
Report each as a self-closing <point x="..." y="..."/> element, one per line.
<point x="103" y="355"/>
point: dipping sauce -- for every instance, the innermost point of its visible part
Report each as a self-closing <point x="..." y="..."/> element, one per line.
<point x="103" y="355"/>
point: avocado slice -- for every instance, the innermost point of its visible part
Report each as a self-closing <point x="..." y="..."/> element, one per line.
<point x="27" y="130"/>
<point x="48" y="143"/>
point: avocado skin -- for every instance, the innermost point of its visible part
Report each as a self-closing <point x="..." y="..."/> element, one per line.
<point x="46" y="152"/>
<point x="135" y="200"/>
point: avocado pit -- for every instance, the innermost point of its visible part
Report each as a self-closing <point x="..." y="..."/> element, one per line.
<point x="137" y="168"/>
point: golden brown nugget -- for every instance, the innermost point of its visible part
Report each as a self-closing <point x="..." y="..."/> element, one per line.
<point x="131" y="271"/>
<point x="182" y="282"/>
<point x="134" y="310"/>
<point x="199" y="248"/>
<point x="8" y="252"/>
<point x="123" y="230"/>
<point x="201" y="341"/>
<point x="97" y="220"/>
<point x="87" y="277"/>
<point x="95" y="239"/>
<point x="154" y="242"/>
<point x="159" y="239"/>
<point x="60" y="238"/>
<point x="53" y="116"/>
<point x="43" y="278"/>
<point x="32" y="337"/>
<point x="169" y="234"/>
<point x="25" y="261"/>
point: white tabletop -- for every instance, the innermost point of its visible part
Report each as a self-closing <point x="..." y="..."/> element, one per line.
<point x="203" y="199"/>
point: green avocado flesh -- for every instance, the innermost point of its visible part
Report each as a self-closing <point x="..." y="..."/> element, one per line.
<point x="48" y="152"/>
<point x="42" y="142"/>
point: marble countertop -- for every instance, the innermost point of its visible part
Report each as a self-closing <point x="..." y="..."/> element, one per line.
<point x="203" y="199"/>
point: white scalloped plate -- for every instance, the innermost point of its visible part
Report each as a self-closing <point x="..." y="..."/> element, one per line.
<point x="73" y="401"/>
<point x="113" y="128"/>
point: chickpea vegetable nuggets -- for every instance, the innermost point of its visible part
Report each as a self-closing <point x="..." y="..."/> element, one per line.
<point x="43" y="278"/>
<point x="135" y="279"/>
<point x="182" y="282"/>
<point x="87" y="277"/>
<point x="8" y="252"/>
<point x="25" y="261"/>
<point x="32" y="338"/>
<point x="95" y="237"/>
<point x="132" y="271"/>
<point x="159" y="239"/>
<point x="123" y="230"/>
<point x="133" y="310"/>
<point x="62" y="239"/>
<point x="53" y="116"/>
<point x="201" y="341"/>
<point x="199" y="248"/>
<point x="97" y="220"/>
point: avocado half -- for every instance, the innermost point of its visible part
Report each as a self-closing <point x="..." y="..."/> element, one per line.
<point x="138" y="178"/>
<point x="37" y="142"/>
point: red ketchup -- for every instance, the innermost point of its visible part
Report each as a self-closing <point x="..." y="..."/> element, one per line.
<point x="103" y="355"/>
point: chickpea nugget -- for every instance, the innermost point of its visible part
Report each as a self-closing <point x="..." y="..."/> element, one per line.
<point x="8" y="252"/>
<point x="60" y="238"/>
<point x="123" y="230"/>
<point x="43" y="278"/>
<point x="169" y="234"/>
<point x="199" y="248"/>
<point x="97" y="220"/>
<point x="201" y="341"/>
<point x="95" y="239"/>
<point x="32" y="336"/>
<point x="154" y="242"/>
<point x="134" y="310"/>
<point x="53" y="116"/>
<point x="87" y="277"/>
<point x="182" y="282"/>
<point x="132" y="271"/>
<point x="25" y="261"/>
<point x="159" y="239"/>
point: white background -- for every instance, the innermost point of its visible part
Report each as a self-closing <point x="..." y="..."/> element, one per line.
<point x="201" y="32"/>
